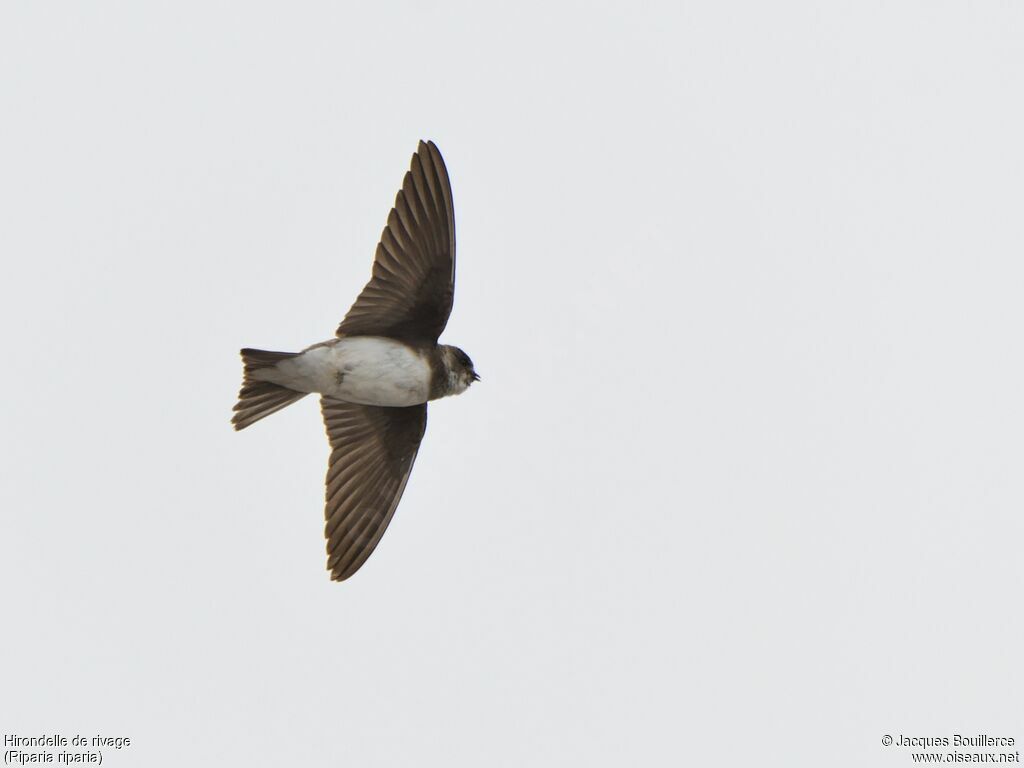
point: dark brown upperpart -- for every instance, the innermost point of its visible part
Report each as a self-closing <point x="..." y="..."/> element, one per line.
<point x="410" y="293"/>
<point x="372" y="452"/>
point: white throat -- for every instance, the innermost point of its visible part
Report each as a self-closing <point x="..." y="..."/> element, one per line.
<point x="458" y="381"/>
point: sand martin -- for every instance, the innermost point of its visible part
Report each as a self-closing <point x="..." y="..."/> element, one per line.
<point x="376" y="377"/>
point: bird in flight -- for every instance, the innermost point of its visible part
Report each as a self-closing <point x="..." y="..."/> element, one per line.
<point x="376" y="377"/>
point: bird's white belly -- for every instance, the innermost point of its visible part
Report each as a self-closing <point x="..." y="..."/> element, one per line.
<point x="369" y="370"/>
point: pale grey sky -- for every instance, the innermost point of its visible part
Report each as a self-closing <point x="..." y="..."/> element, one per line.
<point x="742" y="482"/>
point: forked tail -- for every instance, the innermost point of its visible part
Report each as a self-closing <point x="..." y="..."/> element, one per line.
<point x="261" y="398"/>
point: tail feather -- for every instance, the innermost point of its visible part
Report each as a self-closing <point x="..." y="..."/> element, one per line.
<point x="261" y="398"/>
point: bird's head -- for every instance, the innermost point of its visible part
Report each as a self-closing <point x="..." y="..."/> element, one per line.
<point x="460" y="369"/>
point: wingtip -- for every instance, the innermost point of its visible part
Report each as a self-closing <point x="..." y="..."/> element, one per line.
<point x="428" y="146"/>
<point x="339" y="576"/>
<point x="432" y="158"/>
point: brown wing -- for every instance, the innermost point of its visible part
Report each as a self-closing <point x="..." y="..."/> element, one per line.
<point x="372" y="452"/>
<point x="410" y="294"/>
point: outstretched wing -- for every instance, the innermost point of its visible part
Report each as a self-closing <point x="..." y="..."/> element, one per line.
<point x="372" y="452"/>
<point x="410" y="294"/>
